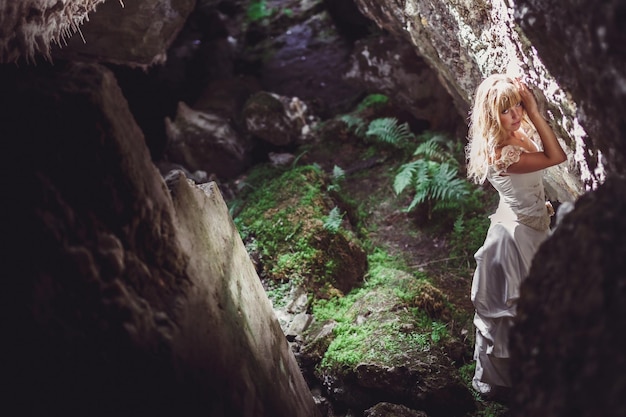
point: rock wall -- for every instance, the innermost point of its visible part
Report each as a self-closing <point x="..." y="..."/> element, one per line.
<point x="135" y="33"/>
<point x="30" y="27"/>
<point x="124" y="298"/>
<point x="568" y="344"/>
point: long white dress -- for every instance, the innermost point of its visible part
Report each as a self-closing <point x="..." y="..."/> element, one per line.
<point x="518" y="227"/>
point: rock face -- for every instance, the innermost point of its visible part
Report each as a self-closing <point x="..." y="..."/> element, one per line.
<point x="29" y="28"/>
<point x="202" y="141"/>
<point x="133" y="33"/>
<point x="126" y="298"/>
<point x="583" y="45"/>
<point x="568" y="345"/>
<point x="392" y="67"/>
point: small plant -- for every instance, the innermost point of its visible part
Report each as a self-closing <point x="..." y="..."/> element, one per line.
<point x="333" y="220"/>
<point x="337" y="176"/>
<point x="387" y="130"/>
<point x="372" y="100"/>
<point x="433" y="178"/>
<point x="258" y="10"/>
<point x="355" y="124"/>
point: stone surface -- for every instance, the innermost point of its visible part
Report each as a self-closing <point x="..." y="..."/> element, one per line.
<point x="132" y="33"/>
<point x="392" y="67"/>
<point x="395" y="410"/>
<point x="568" y="342"/>
<point x="582" y="43"/>
<point x="412" y="371"/>
<point x="125" y="298"/>
<point x="30" y="27"/>
<point x="203" y="141"/>
<point x="277" y="119"/>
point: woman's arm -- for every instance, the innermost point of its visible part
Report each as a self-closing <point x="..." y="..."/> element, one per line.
<point x="552" y="153"/>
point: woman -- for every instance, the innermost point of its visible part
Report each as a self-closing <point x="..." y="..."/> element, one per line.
<point x="500" y="150"/>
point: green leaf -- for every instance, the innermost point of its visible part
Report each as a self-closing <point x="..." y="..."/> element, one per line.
<point x="388" y="130"/>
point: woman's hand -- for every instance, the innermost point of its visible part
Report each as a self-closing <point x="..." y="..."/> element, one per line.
<point x="528" y="98"/>
<point x="552" y="153"/>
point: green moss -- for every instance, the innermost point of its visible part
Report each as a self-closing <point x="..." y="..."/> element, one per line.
<point x="398" y="326"/>
<point x="258" y="10"/>
<point x="373" y="100"/>
<point x="295" y="230"/>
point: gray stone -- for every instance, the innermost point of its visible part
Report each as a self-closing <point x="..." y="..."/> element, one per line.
<point x="202" y="141"/>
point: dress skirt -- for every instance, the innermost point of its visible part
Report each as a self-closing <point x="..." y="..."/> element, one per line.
<point x="502" y="263"/>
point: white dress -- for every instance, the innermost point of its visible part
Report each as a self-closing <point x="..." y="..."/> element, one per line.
<point x="519" y="225"/>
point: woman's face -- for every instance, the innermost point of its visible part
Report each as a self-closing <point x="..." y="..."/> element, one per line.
<point x="511" y="118"/>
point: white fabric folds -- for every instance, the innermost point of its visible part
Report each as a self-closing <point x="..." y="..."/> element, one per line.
<point x="502" y="263"/>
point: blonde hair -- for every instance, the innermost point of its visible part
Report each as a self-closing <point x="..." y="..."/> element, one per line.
<point x="495" y="94"/>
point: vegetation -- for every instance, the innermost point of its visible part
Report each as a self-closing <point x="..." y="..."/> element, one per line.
<point x="399" y="327"/>
<point x="292" y="218"/>
<point x="293" y="229"/>
<point x="433" y="177"/>
<point x="258" y="10"/>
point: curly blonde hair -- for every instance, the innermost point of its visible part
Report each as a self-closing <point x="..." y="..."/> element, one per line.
<point x="495" y="94"/>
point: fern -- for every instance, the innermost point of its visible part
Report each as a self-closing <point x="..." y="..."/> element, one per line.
<point x="405" y="175"/>
<point x="356" y="124"/>
<point x="338" y="173"/>
<point x="388" y="130"/>
<point x="434" y="182"/>
<point x="432" y="149"/>
<point x="333" y="220"/>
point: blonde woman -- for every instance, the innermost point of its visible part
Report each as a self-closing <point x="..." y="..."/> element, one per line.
<point x="501" y="149"/>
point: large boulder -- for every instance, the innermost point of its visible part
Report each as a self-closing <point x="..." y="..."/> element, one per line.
<point x="29" y="28"/>
<point x="125" y="298"/>
<point x="391" y="66"/>
<point x="203" y="141"/>
<point x="132" y="33"/>
<point x="383" y="349"/>
<point x="276" y="119"/>
<point x="568" y="342"/>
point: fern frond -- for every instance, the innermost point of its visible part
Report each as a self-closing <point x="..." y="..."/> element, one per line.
<point x="333" y="220"/>
<point x="338" y="173"/>
<point x="447" y="190"/>
<point x="388" y="130"/>
<point x="431" y="149"/>
<point x="372" y="100"/>
<point x="406" y="175"/>
<point x="355" y="124"/>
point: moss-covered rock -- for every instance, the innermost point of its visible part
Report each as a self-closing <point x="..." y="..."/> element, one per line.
<point x="287" y="225"/>
<point x="390" y="345"/>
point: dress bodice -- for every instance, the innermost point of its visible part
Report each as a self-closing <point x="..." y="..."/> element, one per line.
<point x="522" y="197"/>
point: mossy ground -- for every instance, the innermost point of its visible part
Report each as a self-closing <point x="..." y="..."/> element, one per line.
<point x="419" y="268"/>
